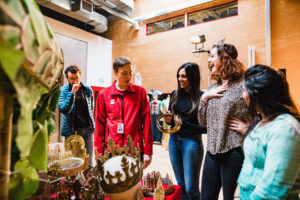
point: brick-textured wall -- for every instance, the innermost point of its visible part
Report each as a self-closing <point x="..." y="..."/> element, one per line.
<point x="157" y="57"/>
<point x="285" y="41"/>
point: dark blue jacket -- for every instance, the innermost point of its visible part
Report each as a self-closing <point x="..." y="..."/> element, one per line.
<point x="66" y="105"/>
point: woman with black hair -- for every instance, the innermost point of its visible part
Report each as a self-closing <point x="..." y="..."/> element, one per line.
<point x="185" y="146"/>
<point x="219" y="105"/>
<point x="271" y="169"/>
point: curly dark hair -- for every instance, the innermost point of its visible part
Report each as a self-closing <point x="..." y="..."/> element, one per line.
<point x="232" y="68"/>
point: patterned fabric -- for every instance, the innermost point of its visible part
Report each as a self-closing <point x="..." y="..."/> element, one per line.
<point x="215" y="113"/>
<point x="271" y="169"/>
<point x="66" y="105"/>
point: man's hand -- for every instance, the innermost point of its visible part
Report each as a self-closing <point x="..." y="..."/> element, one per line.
<point x="147" y="161"/>
<point x="75" y="87"/>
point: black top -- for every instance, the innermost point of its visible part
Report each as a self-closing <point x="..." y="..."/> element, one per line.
<point x="190" y="125"/>
<point x="81" y="110"/>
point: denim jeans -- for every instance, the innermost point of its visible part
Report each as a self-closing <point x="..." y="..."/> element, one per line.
<point x="186" y="154"/>
<point x="221" y="170"/>
<point x="88" y="137"/>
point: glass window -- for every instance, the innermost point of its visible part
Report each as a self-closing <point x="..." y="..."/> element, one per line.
<point x="214" y="13"/>
<point x="164" y="25"/>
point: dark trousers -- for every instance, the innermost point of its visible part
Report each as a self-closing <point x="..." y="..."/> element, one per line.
<point x="221" y="170"/>
<point x="186" y="154"/>
<point x="156" y="134"/>
<point x="88" y="137"/>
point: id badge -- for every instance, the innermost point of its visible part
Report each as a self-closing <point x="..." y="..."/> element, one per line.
<point x="120" y="128"/>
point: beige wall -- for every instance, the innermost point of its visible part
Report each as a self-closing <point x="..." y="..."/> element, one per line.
<point x="285" y="41"/>
<point x="99" y="52"/>
<point x="98" y="58"/>
<point x="157" y="57"/>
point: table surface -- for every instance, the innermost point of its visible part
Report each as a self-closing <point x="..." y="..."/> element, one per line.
<point x="176" y="195"/>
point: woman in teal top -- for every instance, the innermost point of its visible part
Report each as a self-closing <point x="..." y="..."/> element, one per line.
<point x="271" y="169"/>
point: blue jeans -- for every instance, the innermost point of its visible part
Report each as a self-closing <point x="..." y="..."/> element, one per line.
<point x="186" y="154"/>
<point x="219" y="170"/>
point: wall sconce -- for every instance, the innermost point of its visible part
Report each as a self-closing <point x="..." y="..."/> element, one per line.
<point x="199" y="44"/>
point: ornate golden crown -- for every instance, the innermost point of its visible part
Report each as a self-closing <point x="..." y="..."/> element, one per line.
<point x="75" y="147"/>
<point x="166" y="128"/>
<point x="120" y="168"/>
<point x="74" y="159"/>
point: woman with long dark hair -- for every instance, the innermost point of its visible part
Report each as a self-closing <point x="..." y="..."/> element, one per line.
<point x="271" y="168"/>
<point x="219" y="106"/>
<point x="185" y="146"/>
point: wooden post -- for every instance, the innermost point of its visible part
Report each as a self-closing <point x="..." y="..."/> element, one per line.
<point x="6" y="114"/>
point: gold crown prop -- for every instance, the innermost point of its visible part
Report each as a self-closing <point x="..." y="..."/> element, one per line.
<point x="74" y="159"/>
<point x="120" y="169"/>
<point x="164" y="127"/>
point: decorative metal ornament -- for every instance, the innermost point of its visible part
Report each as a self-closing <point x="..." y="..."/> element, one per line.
<point x="159" y="193"/>
<point x="165" y="127"/>
<point x="150" y="183"/>
<point x="120" y="169"/>
<point x="74" y="159"/>
<point x="75" y="146"/>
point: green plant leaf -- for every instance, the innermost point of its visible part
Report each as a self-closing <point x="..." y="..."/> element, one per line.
<point x="11" y="35"/>
<point x="42" y="110"/>
<point x="54" y="99"/>
<point x="39" y="25"/>
<point x="28" y="93"/>
<point x="24" y="182"/>
<point x="42" y="62"/>
<point x="39" y="148"/>
<point x="10" y="61"/>
<point x="13" y="9"/>
<point x="51" y="125"/>
<point x="29" y="41"/>
<point x="55" y="79"/>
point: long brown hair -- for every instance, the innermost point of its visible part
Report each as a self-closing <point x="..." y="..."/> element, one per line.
<point x="231" y="68"/>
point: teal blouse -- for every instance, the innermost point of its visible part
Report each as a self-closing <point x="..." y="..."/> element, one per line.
<point x="271" y="169"/>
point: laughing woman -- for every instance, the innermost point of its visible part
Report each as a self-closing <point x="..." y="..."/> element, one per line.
<point x="271" y="169"/>
<point x="185" y="146"/>
<point x="219" y="105"/>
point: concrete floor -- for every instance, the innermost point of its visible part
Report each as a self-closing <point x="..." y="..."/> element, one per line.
<point x="161" y="162"/>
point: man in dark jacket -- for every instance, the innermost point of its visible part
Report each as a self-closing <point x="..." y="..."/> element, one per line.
<point x="122" y="110"/>
<point x="76" y="103"/>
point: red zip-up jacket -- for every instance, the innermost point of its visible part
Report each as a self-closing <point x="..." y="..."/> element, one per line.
<point x="131" y="108"/>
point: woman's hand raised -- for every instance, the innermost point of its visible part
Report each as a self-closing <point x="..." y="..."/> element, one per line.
<point x="215" y="92"/>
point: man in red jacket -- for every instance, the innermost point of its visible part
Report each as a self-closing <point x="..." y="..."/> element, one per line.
<point x="121" y="110"/>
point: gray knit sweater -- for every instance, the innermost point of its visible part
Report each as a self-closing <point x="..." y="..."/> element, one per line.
<point x="215" y="113"/>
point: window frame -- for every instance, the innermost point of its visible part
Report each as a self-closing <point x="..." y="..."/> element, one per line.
<point x="184" y="22"/>
<point x="210" y="7"/>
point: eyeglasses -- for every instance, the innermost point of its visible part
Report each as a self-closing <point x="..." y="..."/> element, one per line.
<point x="73" y="79"/>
